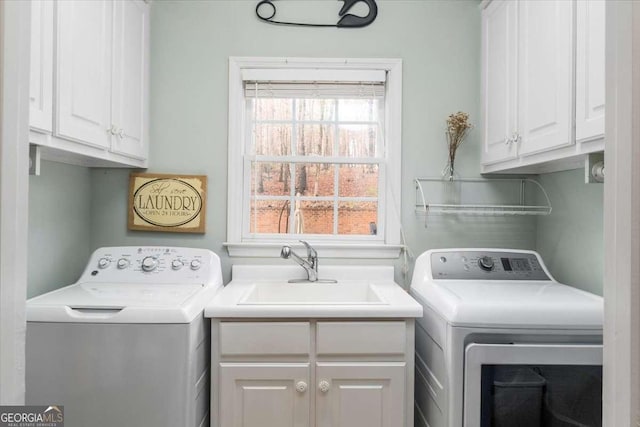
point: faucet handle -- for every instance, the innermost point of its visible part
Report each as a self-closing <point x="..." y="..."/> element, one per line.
<point x="311" y="253"/>
<point x="285" y="252"/>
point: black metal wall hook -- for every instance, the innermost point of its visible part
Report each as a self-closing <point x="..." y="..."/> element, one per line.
<point x="347" y="20"/>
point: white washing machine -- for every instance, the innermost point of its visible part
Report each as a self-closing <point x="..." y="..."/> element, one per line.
<point x="501" y="343"/>
<point x="127" y="345"/>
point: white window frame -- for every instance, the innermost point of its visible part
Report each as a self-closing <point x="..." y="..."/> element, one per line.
<point x="388" y="243"/>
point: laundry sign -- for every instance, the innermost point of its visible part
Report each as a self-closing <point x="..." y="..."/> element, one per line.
<point x="161" y="202"/>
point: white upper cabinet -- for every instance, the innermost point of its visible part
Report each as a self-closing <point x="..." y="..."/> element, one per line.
<point x="130" y="78"/>
<point x="89" y="101"/>
<point x="590" y="70"/>
<point x="542" y="84"/>
<point x="83" y="95"/>
<point x="499" y="80"/>
<point x="41" y="73"/>
<point x="545" y="75"/>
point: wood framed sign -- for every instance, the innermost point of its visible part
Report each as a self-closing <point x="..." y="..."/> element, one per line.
<point x="162" y="202"/>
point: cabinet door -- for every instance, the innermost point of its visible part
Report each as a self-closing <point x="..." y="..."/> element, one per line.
<point x="545" y="75"/>
<point x="590" y="69"/>
<point x="499" y="80"/>
<point x="41" y="78"/>
<point x="83" y="85"/>
<point x="360" y="394"/>
<point x="130" y="78"/>
<point x="264" y="395"/>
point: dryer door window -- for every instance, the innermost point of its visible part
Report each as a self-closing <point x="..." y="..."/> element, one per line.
<point x="533" y="385"/>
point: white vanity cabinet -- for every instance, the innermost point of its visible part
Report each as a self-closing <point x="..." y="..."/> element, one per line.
<point x="322" y="373"/>
<point x="99" y="79"/>
<point x="542" y="84"/>
<point x="264" y="394"/>
<point x="360" y="394"/>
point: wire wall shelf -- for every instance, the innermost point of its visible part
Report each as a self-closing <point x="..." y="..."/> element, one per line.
<point x="479" y="196"/>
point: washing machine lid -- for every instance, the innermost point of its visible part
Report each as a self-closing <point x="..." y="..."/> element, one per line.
<point x="499" y="304"/>
<point x="120" y="303"/>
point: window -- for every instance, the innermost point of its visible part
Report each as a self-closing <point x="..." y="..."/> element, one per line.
<point x="314" y="153"/>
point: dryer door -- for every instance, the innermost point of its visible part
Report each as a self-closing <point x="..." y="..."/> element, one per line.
<point x="532" y="385"/>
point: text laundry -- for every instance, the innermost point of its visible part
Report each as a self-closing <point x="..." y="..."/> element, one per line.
<point x="158" y="202"/>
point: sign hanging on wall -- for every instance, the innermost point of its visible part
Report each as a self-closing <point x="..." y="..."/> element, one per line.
<point x="173" y="203"/>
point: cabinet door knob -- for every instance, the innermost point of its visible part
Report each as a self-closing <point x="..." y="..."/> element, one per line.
<point x="301" y="386"/>
<point x="112" y="130"/>
<point x="324" y="386"/>
<point x="121" y="133"/>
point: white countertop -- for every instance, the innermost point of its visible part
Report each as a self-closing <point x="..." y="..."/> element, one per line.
<point x="394" y="302"/>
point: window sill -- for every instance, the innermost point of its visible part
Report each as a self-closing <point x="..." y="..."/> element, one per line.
<point x="325" y="250"/>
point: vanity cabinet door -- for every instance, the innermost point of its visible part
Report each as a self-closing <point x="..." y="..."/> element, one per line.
<point x="360" y="394"/>
<point x="264" y="395"/>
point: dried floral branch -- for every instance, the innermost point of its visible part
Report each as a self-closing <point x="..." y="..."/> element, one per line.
<point x="457" y="128"/>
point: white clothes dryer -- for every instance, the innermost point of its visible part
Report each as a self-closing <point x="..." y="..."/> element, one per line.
<point x="127" y="345"/>
<point x="501" y="343"/>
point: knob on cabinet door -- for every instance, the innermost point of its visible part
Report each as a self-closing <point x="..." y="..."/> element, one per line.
<point x="301" y="386"/>
<point x="324" y="386"/>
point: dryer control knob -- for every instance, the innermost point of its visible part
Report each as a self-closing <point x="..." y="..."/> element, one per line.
<point x="149" y="263"/>
<point x="176" y="264"/>
<point x="195" y="264"/>
<point x="486" y="263"/>
<point x="123" y="263"/>
<point x="103" y="263"/>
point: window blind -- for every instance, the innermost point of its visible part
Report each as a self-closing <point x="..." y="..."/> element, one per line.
<point x="324" y="90"/>
<point x="314" y="83"/>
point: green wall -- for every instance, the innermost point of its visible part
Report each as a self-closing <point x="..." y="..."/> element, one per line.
<point x="190" y="44"/>
<point x="571" y="239"/>
<point x="59" y="226"/>
<point x="439" y="42"/>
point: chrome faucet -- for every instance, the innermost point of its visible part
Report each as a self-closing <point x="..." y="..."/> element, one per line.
<point x="310" y="264"/>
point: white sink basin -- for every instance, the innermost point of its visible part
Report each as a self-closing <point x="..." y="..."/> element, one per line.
<point x="263" y="291"/>
<point x="283" y="293"/>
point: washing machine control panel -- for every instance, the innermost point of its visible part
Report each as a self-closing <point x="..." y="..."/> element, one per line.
<point x="151" y="264"/>
<point x="486" y="265"/>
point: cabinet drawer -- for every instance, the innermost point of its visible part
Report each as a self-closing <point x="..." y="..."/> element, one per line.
<point x="379" y="338"/>
<point x="264" y="338"/>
